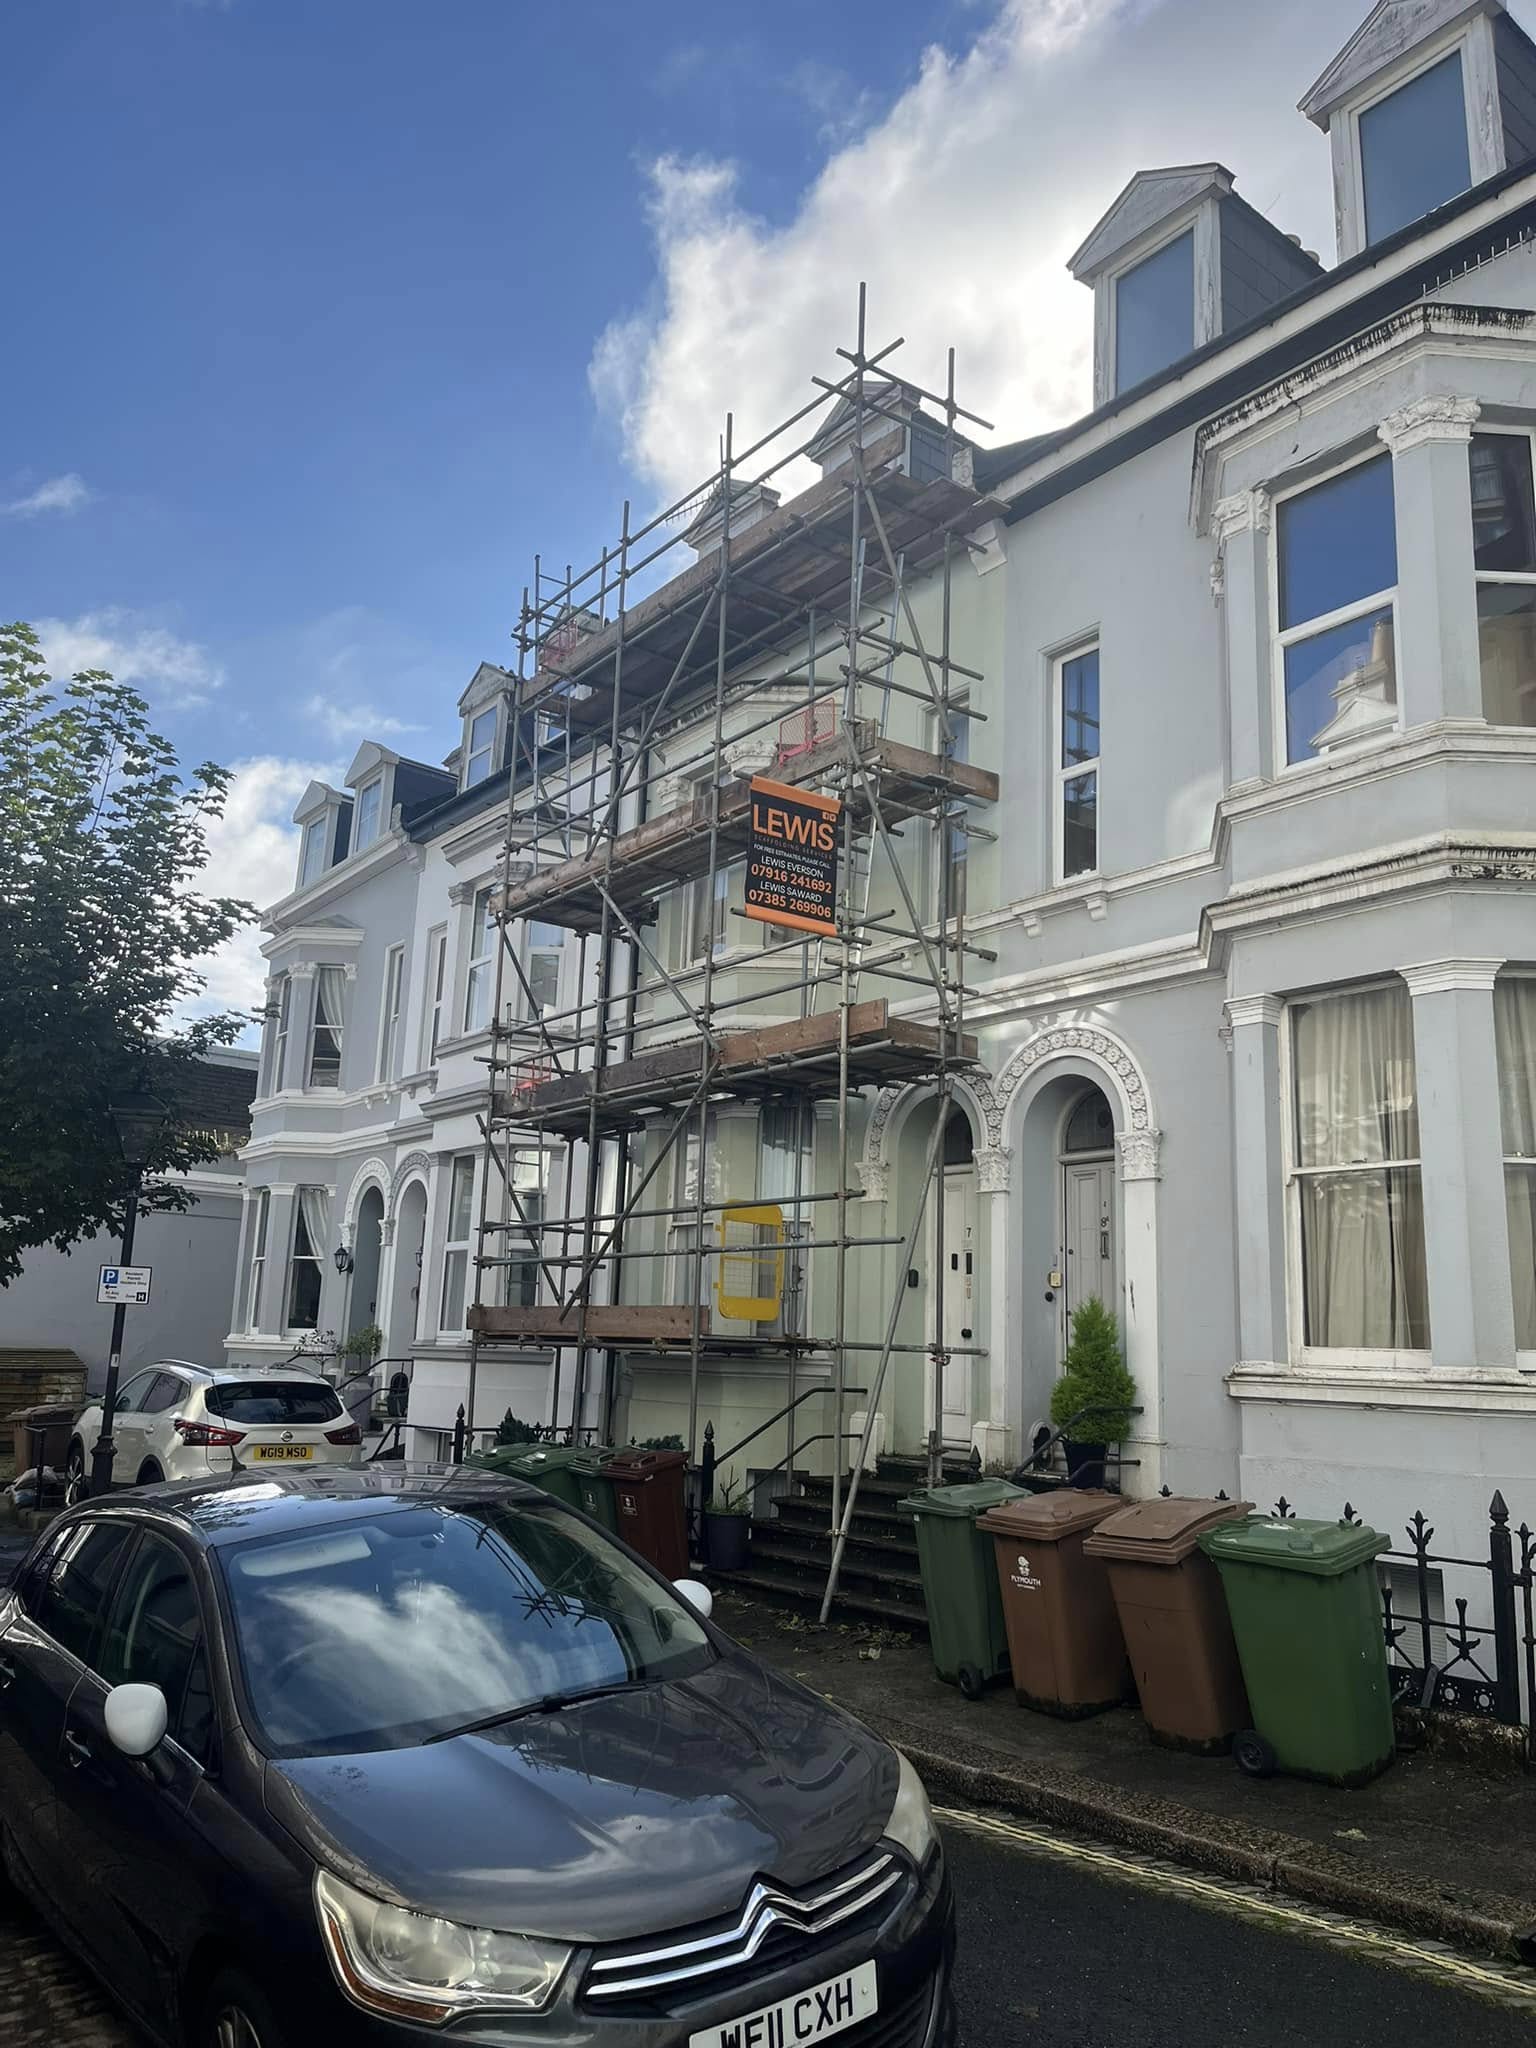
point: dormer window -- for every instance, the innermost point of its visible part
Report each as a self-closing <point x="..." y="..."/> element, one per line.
<point x="480" y="747"/>
<point x="370" y="806"/>
<point x="1413" y="149"/>
<point x="1155" y="312"/>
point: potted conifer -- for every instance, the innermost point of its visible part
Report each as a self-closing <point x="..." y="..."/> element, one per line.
<point x="1095" y="1394"/>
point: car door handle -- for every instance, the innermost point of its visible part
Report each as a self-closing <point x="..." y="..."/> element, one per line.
<point x="80" y="1751"/>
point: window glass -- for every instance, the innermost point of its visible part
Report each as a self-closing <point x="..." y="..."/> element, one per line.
<point x="1356" y="1139"/>
<point x="1080" y="709"/>
<point x="1514" y="1019"/>
<point x="325" y="1040"/>
<point x="153" y="1636"/>
<point x="481" y="749"/>
<point x="130" y="1399"/>
<point x="1080" y="825"/>
<point x="481" y="985"/>
<point x="370" y="799"/>
<point x="1413" y="149"/>
<point x="259" y="1224"/>
<point x="439" y="958"/>
<point x="461" y="1189"/>
<point x="1091" y="1126"/>
<point x="265" y="1401"/>
<point x="312" y="860"/>
<point x="1504" y="540"/>
<point x="1155" y="313"/>
<point x="1337" y="543"/>
<point x="1503" y="511"/>
<point x="69" y="1599"/>
<point x="1317" y="667"/>
<point x="389" y="1028"/>
<point x="383" y="1631"/>
<point x="311" y="1216"/>
<point x="166" y="1389"/>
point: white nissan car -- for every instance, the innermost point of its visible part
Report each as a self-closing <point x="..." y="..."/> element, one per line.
<point x="182" y="1421"/>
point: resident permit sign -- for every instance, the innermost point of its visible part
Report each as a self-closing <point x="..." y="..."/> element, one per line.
<point x="124" y="1283"/>
<point x="792" y="857"/>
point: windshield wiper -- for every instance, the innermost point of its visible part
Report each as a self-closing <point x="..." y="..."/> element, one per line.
<point x="546" y="1703"/>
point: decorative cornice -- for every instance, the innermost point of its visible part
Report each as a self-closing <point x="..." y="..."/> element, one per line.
<point x="412" y="1163"/>
<point x="1244" y="1011"/>
<point x="994" y="1165"/>
<point x="1427" y="420"/>
<point x="1441" y="977"/>
<point x="875" y="1177"/>
<point x="1100" y="1046"/>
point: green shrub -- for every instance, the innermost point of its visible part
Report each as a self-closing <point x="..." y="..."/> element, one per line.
<point x="1094" y="1376"/>
<point x="510" y="1431"/>
<point x="661" y="1443"/>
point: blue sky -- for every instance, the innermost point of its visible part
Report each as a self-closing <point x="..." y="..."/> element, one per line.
<point x="328" y="313"/>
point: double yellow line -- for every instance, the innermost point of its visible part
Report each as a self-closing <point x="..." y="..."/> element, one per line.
<point x="1514" y="1985"/>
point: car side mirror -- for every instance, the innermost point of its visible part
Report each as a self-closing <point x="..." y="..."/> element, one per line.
<point x="698" y="1596"/>
<point x="136" y="1718"/>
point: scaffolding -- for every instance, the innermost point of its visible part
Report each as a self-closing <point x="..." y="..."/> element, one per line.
<point x="641" y="686"/>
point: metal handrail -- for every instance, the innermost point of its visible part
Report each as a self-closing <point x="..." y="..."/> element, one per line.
<point x="1035" y="1462"/>
<point x="711" y="1458"/>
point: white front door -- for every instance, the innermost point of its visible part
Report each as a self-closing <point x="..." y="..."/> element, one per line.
<point x="1089" y="1186"/>
<point x="962" y="1305"/>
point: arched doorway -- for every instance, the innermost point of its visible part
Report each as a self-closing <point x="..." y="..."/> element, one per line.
<point x="405" y="1293"/>
<point x="962" y="1281"/>
<point x="1087" y="1172"/>
<point x="367" y="1246"/>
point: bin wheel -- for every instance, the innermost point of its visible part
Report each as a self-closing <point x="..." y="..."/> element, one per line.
<point x="1254" y="1757"/>
<point x="972" y="1683"/>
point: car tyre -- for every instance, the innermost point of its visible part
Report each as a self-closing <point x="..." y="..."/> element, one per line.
<point x="236" y="2014"/>
<point x="150" y="1474"/>
<point x="77" y="1485"/>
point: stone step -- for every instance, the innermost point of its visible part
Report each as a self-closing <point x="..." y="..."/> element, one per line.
<point x="781" y="1587"/>
<point x="868" y="1553"/>
<point x="877" y="1524"/>
<point x="871" y="1487"/>
<point x="858" y="1575"/>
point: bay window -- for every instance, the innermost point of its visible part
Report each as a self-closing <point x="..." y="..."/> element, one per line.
<point x="1336" y="580"/>
<point x="261" y="1204"/>
<point x="282" y="1007"/>
<point x="311" y="1217"/>
<point x="389" y="1021"/>
<point x="1514" y="1023"/>
<point x="456" y="1240"/>
<point x="326" y="1032"/>
<point x="1357" y="1202"/>
<point x="1504" y="553"/>
<point x="1077" y="772"/>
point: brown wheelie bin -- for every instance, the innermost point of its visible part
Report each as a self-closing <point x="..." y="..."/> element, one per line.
<point x="1174" y="1619"/>
<point x="1064" y="1641"/>
<point x="649" y="1506"/>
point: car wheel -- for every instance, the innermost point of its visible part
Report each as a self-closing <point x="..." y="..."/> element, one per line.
<point x="149" y="1474"/>
<point x="76" y="1485"/>
<point x="237" y="2015"/>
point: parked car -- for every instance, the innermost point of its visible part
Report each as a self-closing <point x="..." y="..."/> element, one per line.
<point x="355" y="1755"/>
<point x="177" y="1420"/>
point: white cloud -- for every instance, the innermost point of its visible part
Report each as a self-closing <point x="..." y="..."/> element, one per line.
<point x="253" y="851"/>
<point x="175" y="674"/>
<point x="58" y="494"/>
<point x="959" y="206"/>
<point x="341" y="722"/>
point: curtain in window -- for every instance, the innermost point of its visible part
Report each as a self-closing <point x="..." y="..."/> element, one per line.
<point x="311" y="1225"/>
<point x="325" y="1055"/>
<point x="1514" y="1023"/>
<point x="1362" y="1214"/>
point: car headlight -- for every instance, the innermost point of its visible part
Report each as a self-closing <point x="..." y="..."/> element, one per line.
<point x="412" y="1966"/>
<point x="911" y="1821"/>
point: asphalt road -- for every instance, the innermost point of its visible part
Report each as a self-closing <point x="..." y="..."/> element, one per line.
<point x="1055" y="1952"/>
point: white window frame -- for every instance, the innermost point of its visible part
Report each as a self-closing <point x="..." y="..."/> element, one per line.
<point x="256" y="1263"/>
<point x="434" y="993"/>
<point x="373" y="787"/>
<point x="519" y="1246"/>
<point x="485" y="752"/>
<point x="337" y="1030"/>
<point x="315" y="834"/>
<point x="1360" y="1359"/>
<point x="1090" y="643"/>
<point x="543" y="949"/>
<point x="1525" y="1361"/>
<point x="391" y="1010"/>
<point x="1310" y="629"/>
<point x="461" y="1170"/>
<point x="283" y="1012"/>
<point x="480" y="928"/>
<point x="1412" y="66"/>
<point x="315" y="1257"/>
<point x="1525" y="579"/>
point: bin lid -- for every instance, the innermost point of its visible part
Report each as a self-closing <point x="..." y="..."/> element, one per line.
<point x="1048" y="1517"/>
<point x="1325" y="1550"/>
<point x="960" y="1503"/>
<point x="638" y="1464"/>
<point x="1161" y="1531"/>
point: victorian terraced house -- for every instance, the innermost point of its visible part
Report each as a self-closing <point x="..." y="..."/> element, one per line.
<point x="1186" y="944"/>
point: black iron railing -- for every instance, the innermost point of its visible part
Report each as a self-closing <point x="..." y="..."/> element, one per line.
<point x="1438" y="1656"/>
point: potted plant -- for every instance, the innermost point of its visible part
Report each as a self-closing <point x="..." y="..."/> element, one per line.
<point x="1095" y="1393"/>
<point x="728" y="1528"/>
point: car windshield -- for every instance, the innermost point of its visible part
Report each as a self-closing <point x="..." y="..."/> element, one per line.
<point x="278" y="1401"/>
<point x="379" y="1631"/>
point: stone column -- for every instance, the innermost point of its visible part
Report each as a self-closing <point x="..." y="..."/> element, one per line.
<point x="1466" y="1228"/>
<point x="1258" y="1179"/>
<point x="1240" y="530"/>
<point x="1139" y="1156"/>
<point x="994" y="1172"/>
<point x="1439" y="669"/>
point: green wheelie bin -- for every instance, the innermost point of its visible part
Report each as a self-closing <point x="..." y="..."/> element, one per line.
<point x="1306" y="1614"/>
<point x="966" y="1629"/>
<point x="573" y="1473"/>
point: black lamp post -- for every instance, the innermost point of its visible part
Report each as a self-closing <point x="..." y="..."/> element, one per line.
<point x="138" y="1121"/>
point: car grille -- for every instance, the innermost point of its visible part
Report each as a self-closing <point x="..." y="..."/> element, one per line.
<point x="774" y="1922"/>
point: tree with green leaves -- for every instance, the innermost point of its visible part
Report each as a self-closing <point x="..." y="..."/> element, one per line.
<point x="1094" y="1377"/>
<point x="102" y="927"/>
